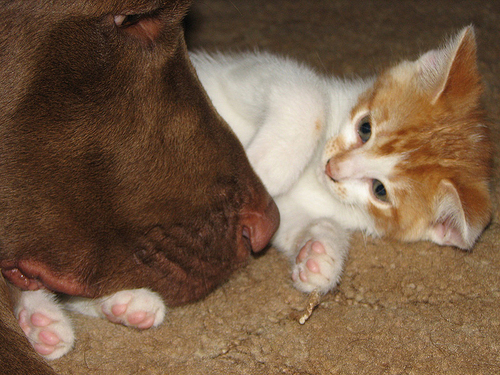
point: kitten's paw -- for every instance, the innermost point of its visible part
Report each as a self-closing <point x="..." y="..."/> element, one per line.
<point x="44" y="323"/>
<point x="315" y="269"/>
<point x="139" y="308"/>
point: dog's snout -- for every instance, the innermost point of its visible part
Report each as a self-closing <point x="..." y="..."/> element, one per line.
<point x="258" y="226"/>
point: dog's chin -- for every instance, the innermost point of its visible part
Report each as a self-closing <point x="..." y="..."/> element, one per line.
<point x="178" y="279"/>
<point x="178" y="285"/>
<point x="184" y="271"/>
<point x="182" y="263"/>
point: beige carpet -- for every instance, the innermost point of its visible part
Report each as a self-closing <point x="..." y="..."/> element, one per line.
<point x="400" y="309"/>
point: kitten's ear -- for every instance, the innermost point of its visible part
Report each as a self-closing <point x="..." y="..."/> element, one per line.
<point x="452" y="70"/>
<point x="451" y="225"/>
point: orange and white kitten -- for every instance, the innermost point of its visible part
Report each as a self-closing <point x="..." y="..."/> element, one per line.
<point x="405" y="155"/>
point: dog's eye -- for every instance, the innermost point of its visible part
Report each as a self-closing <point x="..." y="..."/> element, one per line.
<point x="365" y="129"/>
<point x="379" y="191"/>
<point x="127" y="20"/>
<point x="143" y="26"/>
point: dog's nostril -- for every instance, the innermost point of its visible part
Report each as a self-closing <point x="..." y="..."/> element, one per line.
<point x="245" y="232"/>
<point x="259" y="226"/>
<point x="247" y="242"/>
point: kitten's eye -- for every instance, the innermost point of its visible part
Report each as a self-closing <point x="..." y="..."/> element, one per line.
<point x="379" y="191"/>
<point x="365" y="129"/>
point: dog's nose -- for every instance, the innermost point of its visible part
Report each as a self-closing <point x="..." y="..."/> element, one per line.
<point x="258" y="226"/>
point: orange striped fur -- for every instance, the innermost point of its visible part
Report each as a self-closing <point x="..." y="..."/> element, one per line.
<point x="427" y="116"/>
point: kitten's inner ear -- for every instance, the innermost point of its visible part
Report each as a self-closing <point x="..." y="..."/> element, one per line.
<point x="452" y="69"/>
<point x="450" y="225"/>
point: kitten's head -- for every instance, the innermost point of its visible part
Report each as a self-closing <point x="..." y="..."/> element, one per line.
<point x="416" y="154"/>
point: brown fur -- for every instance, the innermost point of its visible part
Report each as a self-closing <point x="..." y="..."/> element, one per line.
<point x="116" y="172"/>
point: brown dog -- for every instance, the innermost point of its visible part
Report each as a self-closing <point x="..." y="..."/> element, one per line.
<point x="115" y="170"/>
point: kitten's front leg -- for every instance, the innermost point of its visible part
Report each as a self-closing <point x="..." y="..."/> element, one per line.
<point x="138" y="308"/>
<point x="320" y="258"/>
<point x="288" y="138"/>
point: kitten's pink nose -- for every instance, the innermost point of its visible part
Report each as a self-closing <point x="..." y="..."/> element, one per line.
<point x="332" y="170"/>
<point x="345" y="167"/>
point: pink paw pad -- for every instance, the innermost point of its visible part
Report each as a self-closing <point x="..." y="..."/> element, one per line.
<point x="318" y="247"/>
<point x="23" y="322"/>
<point x="47" y="340"/>
<point x="138" y="308"/>
<point x="314" y="246"/>
<point x="313" y="266"/>
<point x="119" y="310"/>
<point x="40" y="320"/>
<point x="44" y="323"/>
<point x="138" y="319"/>
<point x="141" y="319"/>
<point x="303" y="253"/>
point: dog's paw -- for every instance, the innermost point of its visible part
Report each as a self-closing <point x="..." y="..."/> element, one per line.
<point x="44" y="323"/>
<point x="139" y="308"/>
<point x="315" y="269"/>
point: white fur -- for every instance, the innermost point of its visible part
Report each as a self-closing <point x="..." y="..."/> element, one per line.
<point x="302" y="138"/>
<point x="134" y="302"/>
<point x="284" y="113"/>
<point x="39" y="314"/>
<point x="268" y="117"/>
